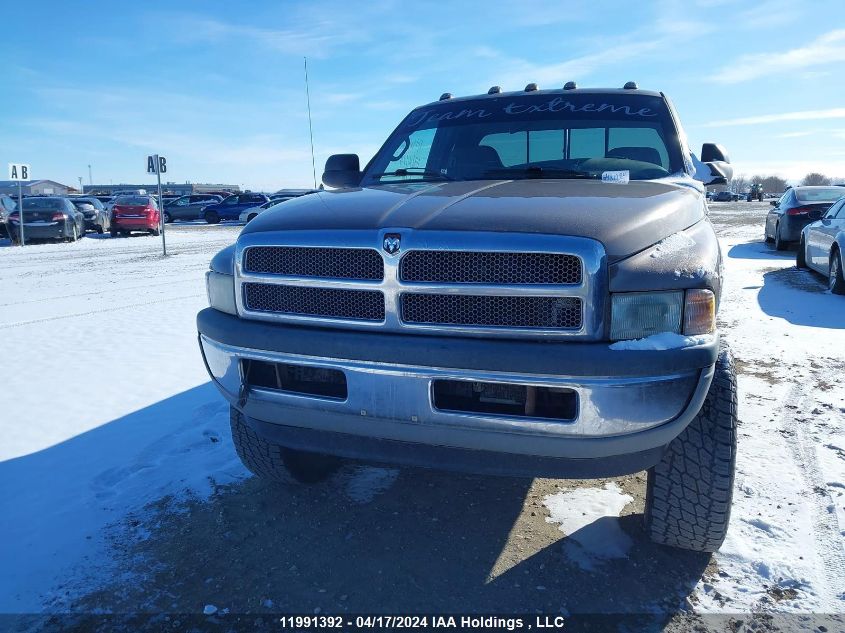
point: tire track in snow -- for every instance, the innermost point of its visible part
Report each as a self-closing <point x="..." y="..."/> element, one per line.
<point x="826" y="528"/>
<point x="117" y="288"/>
<point x="7" y="326"/>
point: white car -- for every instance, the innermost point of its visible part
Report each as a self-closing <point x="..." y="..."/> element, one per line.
<point x="252" y="212"/>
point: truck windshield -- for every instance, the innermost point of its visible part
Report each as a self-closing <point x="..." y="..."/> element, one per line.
<point x="531" y="136"/>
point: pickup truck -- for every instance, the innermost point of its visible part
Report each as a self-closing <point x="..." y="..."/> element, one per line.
<point x="518" y="283"/>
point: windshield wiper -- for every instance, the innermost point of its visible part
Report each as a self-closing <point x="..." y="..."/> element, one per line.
<point x="414" y="171"/>
<point x="538" y="172"/>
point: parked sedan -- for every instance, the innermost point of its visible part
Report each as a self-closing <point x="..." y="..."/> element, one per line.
<point x="47" y="218"/>
<point x="188" y="207"/>
<point x="135" y="213"/>
<point x="795" y="209"/>
<point x="723" y="196"/>
<point x="7" y="205"/>
<point x="821" y="247"/>
<point x="96" y="217"/>
<point x="232" y="207"/>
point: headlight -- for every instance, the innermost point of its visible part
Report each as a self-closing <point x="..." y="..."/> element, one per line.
<point x="221" y="291"/>
<point x="640" y="314"/>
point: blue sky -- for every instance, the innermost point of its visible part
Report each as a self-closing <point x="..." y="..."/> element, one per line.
<point x="217" y="87"/>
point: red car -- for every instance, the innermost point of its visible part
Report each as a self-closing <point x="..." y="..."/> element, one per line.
<point x="135" y="213"/>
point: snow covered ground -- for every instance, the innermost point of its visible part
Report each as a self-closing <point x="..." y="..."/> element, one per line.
<point x="107" y="412"/>
<point x="105" y="407"/>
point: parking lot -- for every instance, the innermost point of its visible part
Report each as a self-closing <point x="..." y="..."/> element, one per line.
<point x="122" y="492"/>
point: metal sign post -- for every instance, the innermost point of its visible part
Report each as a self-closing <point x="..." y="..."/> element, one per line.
<point x="19" y="172"/>
<point x="158" y="164"/>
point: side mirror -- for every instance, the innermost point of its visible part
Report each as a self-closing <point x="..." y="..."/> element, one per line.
<point x="815" y="214"/>
<point x="774" y="203"/>
<point x="716" y="158"/>
<point x="711" y="152"/>
<point x="722" y="172"/>
<point x="342" y="170"/>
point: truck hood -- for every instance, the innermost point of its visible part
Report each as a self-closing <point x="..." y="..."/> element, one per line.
<point x="625" y="218"/>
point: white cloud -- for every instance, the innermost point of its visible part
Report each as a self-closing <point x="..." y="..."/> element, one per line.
<point x="796" y="134"/>
<point x="802" y="115"/>
<point x="664" y="32"/>
<point x="827" y="49"/>
<point x="316" y="39"/>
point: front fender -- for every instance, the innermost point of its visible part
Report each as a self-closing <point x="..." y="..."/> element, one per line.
<point x="688" y="259"/>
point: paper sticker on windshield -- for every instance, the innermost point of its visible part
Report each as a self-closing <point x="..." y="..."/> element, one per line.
<point x="619" y="177"/>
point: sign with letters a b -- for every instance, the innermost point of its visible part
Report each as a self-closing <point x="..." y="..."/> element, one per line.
<point x="153" y="168"/>
<point x="17" y="171"/>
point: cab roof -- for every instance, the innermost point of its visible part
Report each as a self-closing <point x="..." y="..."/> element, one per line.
<point x="550" y="92"/>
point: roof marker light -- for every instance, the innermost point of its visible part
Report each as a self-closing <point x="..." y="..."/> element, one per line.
<point x="445" y="96"/>
<point x="494" y="90"/>
<point x="531" y="87"/>
<point x="570" y="85"/>
<point x="631" y="85"/>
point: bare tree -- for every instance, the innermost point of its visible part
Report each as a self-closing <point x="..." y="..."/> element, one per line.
<point x="815" y="178"/>
<point x="740" y="183"/>
<point x="773" y="184"/>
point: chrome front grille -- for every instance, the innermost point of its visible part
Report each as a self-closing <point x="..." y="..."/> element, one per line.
<point x="470" y="267"/>
<point x="303" y="261"/>
<point x="492" y="311"/>
<point x="363" y="305"/>
<point x="439" y="282"/>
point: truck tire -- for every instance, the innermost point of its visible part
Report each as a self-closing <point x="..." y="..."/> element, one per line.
<point x="689" y="492"/>
<point x="278" y="463"/>
<point x="211" y="217"/>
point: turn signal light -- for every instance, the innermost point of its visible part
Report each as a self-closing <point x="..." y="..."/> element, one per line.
<point x="699" y="312"/>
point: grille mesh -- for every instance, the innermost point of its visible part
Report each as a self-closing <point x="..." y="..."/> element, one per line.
<point x="481" y="310"/>
<point x="363" y="305"/>
<point x="307" y="261"/>
<point x="490" y="267"/>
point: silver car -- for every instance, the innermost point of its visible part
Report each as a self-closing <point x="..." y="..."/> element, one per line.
<point x="821" y="246"/>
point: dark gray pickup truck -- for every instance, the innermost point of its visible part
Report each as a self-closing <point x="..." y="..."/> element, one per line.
<point x="520" y="283"/>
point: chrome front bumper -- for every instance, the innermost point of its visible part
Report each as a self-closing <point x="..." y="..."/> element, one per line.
<point x="615" y="416"/>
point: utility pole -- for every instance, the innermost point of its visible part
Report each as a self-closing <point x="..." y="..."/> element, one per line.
<point x="90" y="179"/>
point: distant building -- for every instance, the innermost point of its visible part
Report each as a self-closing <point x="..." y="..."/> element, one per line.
<point x="34" y="188"/>
<point x="181" y="189"/>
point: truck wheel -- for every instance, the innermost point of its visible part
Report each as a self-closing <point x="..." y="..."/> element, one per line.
<point x="211" y="217"/>
<point x="278" y="463"/>
<point x="801" y="255"/>
<point x="689" y="492"/>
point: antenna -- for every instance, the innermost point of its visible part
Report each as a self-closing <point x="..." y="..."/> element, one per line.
<point x="310" y="129"/>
